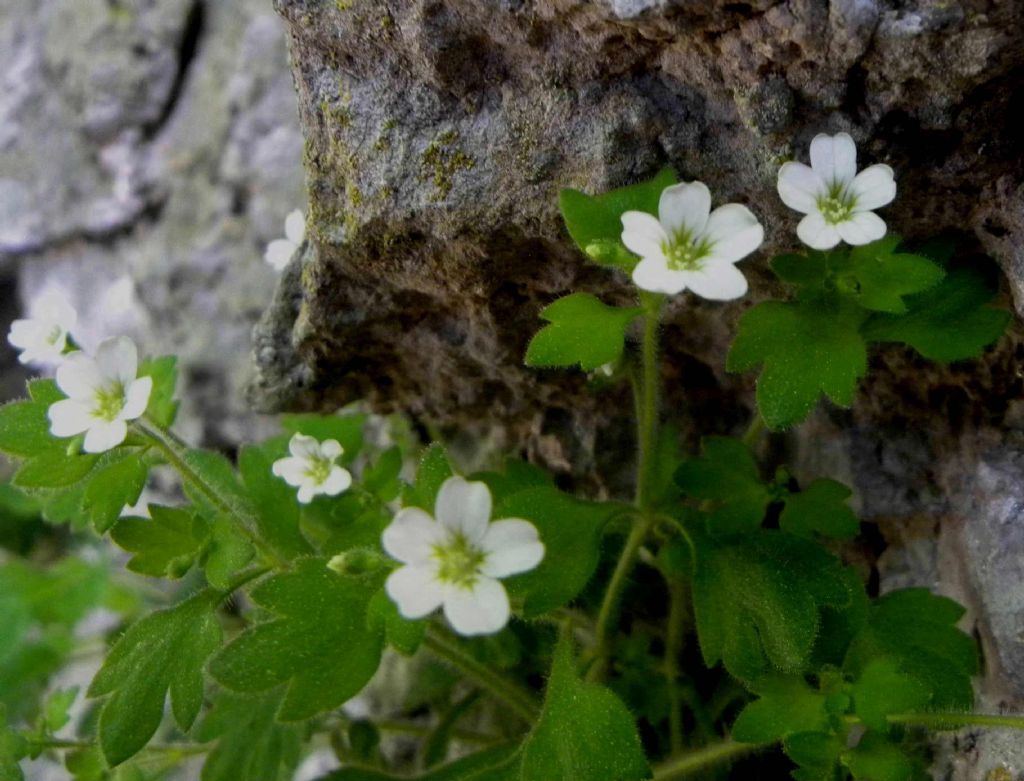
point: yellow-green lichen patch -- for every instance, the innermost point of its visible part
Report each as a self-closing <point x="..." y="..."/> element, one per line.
<point x="441" y="160"/>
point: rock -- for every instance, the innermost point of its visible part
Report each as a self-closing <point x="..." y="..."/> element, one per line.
<point x="152" y="150"/>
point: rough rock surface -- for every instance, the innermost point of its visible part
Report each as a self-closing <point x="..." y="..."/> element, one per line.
<point x="148" y="151"/>
<point x="438" y="133"/>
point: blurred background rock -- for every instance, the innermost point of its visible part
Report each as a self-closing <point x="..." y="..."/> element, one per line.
<point x="149" y="150"/>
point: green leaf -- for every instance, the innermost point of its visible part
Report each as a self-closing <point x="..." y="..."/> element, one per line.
<point x="54" y="469"/>
<point x="494" y="764"/>
<point x="807" y="272"/>
<point x="12" y="749"/>
<point x="227" y="551"/>
<point x="166" y="545"/>
<point x="877" y="759"/>
<point x="584" y="732"/>
<point x="816" y="753"/>
<point x="347" y="429"/>
<point x="882" y="690"/>
<point x="806" y="349"/>
<point x="820" y="508"/>
<point x="162" y="407"/>
<point x="727" y="475"/>
<point x="434" y="469"/>
<point x="882" y="276"/>
<point x="24" y="426"/>
<point x="160" y="654"/>
<point x="757" y="600"/>
<point x="251" y="744"/>
<point x="403" y="635"/>
<point x="571" y="531"/>
<point x="918" y="630"/>
<point x="382" y="477"/>
<point x="953" y="321"/>
<point x="787" y="705"/>
<point x="319" y="643"/>
<point x="217" y="472"/>
<point x="115" y="484"/>
<point x="597" y="220"/>
<point x="583" y="331"/>
<point x="55" y="709"/>
<point x="276" y="508"/>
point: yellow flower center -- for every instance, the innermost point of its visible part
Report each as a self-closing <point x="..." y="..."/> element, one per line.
<point x="459" y="561"/>
<point x="319" y="469"/>
<point x="109" y="402"/>
<point x="683" y="254"/>
<point x="836" y="206"/>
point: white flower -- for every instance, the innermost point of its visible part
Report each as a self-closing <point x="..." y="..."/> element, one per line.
<point x="837" y="200"/>
<point x="43" y="337"/>
<point x="103" y="394"/>
<point x="690" y="246"/>
<point x="311" y="467"/>
<point x="280" y="251"/>
<point x="456" y="560"/>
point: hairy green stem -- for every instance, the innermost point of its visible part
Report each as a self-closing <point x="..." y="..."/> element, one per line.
<point x="951" y="721"/>
<point x="173" y="451"/>
<point x="647" y="435"/>
<point x="695" y="761"/>
<point x="754" y="431"/>
<point x="518" y="699"/>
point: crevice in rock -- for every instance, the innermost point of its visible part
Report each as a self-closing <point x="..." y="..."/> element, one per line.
<point x="191" y="35"/>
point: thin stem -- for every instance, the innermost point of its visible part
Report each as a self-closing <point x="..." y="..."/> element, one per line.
<point x="174" y="453"/>
<point x="951" y="721"/>
<point x="694" y="761"/>
<point x="518" y="699"/>
<point x="610" y="605"/>
<point x="673" y="650"/>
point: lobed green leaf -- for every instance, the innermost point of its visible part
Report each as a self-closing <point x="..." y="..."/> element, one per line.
<point x="583" y="331"/>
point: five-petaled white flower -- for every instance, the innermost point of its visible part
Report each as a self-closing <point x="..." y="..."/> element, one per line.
<point x="280" y="251"/>
<point x="690" y="246"/>
<point x="311" y="467"/>
<point x="104" y="392"/>
<point x="837" y="200"/>
<point x="456" y="560"/>
<point x="43" y="337"/>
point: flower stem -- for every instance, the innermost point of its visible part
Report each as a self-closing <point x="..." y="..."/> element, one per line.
<point x="754" y="431"/>
<point x="174" y="452"/>
<point x="952" y="721"/>
<point x="647" y="435"/>
<point x="518" y="699"/>
<point x="694" y="761"/>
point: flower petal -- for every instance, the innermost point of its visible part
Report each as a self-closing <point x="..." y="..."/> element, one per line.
<point x="873" y="188"/>
<point x="53" y="307"/>
<point x="292" y="470"/>
<point x="279" y="253"/>
<point x="734" y="232"/>
<point x="816" y="233"/>
<point x="464" y="507"/>
<point x="684" y="208"/>
<point x="295" y="227"/>
<point x="69" y="417"/>
<point x="79" y="376"/>
<point x="415" y="591"/>
<point x="118" y="359"/>
<point x="861" y="228"/>
<point x="482" y="610"/>
<point x="303" y="446"/>
<point x="834" y="158"/>
<point x="338" y="480"/>
<point x="307" y="492"/>
<point x="800" y="187"/>
<point x="331" y="449"/>
<point x="653" y="274"/>
<point x="717" y="280"/>
<point x="512" y="545"/>
<point x="104" y="435"/>
<point x="411" y="536"/>
<point x="643" y="235"/>
<point x="136" y="398"/>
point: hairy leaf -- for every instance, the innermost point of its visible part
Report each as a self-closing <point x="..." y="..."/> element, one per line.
<point x="164" y="546"/>
<point x="276" y="509"/>
<point x="787" y="705"/>
<point x="726" y="475"/>
<point x="160" y="654"/>
<point x="584" y="733"/>
<point x="757" y="600"/>
<point x="875" y="758"/>
<point x="820" y="508"/>
<point x="319" y="643"/>
<point x="807" y="349"/>
<point x="162" y="407"/>
<point x="251" y="744"/>
<point x="582" y="331"/>
<point x="882" y="690"/>
<point x="881" y="276"/>
<point x="434" y="469"/>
